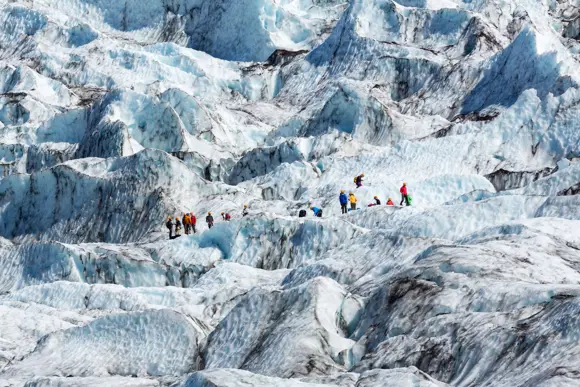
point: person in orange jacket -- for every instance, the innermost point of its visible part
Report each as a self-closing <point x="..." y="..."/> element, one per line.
<point x="187" y="223"/>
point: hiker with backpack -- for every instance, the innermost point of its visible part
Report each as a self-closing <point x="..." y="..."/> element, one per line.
<point x="343" y="201"/>
<point x="177" y="227"/>
<point x="352" y="200"/>
<point x="245" y="211"/>
<point x="169" y="225"/>
<point x="209" y="220"/>
<point x="187" y="223"/>
<point x="226" y="216"/>
<point x="358" y="180"/>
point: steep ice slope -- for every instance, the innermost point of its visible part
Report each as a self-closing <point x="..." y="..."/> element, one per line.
<point x="115" y="115"/>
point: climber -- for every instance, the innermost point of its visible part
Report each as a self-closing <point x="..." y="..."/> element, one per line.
<point x="352" y="200"/>
<point x="302" y="213"/>
<point x="390" y="202"/>
<point x="245" y="212"/>
<point x="209" y="220"/>
<point x="343" y="201"/>
<point x="193" y="222"/>
<point x="169" y="225"/>
<point x="317" y="211"/>
<point x="187" y="223"/>
<point x="226" y="216"/>
<point x="377" y="201"/>
<point x="177" y="227"/>
<point x="404" y="195"/>
<point x="358" y="180"/>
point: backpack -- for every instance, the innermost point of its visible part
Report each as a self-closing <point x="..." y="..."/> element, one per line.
<point x="319" y="213"/>
<point x="302" y="214"/>
<point x="356" y="177"/>
<point x="409" y="199"/>
<point x="168" y="224"/>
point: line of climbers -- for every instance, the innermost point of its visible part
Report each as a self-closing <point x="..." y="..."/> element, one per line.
<point x="189" y="222"/>
<point x="344" y="200"/>
<point x="352" y="200"/>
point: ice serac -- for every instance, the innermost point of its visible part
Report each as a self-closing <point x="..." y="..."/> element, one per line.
<point x="285" y="242"/>
<point x="151" y="343"/>
<point x="116" y="116"/>
<point x="112" y="200"/>
<point x="283" y="333"/>
<point x="232" y="377"/>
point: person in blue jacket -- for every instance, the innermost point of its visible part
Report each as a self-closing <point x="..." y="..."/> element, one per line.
<point x="317" y="211"/>
<point x="343" y="202"/>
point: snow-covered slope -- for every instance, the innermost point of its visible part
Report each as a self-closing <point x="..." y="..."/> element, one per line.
<point x="116" y="115"/>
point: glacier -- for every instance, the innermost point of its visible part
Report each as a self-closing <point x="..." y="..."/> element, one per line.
<point x="116" y="115"/>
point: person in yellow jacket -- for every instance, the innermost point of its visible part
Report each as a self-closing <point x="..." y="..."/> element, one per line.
<point x="352" y="200"/>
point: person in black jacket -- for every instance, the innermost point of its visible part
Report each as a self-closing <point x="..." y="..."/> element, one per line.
<point x="169" y="225"/>
<point x="209" y="220"/>
<point x="377" y="201"/>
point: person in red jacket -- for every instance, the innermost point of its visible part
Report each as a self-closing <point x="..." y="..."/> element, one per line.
<point x="404" y="195"/>
<point x="193" y="222"/>
<point x="390" y="202"/>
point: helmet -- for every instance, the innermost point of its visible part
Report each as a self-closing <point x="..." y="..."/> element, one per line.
<point x="390" y="198"/>
<point x="176" y="218"/>
<point x="362" y="174"/>
<point x="341" y="191"/>
<point x="169" y="218"/>
<point x="222" y="213"/>
<point x="209" y="213"/>
<point x="311" y="207"/>
<point x="404" y="183"/>
<point x="245" y="206"/>
<point x="350" y="193"/>
<point x="375" y="197"/>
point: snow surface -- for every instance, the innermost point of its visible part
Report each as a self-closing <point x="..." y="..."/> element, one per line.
<point x="116" y="115"/>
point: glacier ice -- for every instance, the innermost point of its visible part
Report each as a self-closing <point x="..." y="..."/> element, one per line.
<point x="116" y="115"/>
